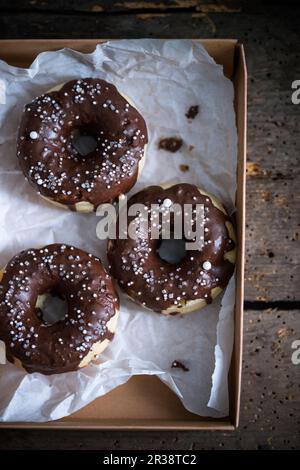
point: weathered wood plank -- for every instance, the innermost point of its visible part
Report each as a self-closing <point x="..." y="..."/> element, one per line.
<point x="127" y="25"/>
<point x="270" y="397"/>
<point x="272" y="240"/>
<point x="270" y="402"/>
<point x="116" y="6"/>
<point x="119" y="6"/>
<point x="272" y="50"/>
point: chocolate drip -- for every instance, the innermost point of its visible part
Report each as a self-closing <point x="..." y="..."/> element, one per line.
<point x="192" y="112"/>
<point x="171" y="144"/>
<point x="179" y="365"/>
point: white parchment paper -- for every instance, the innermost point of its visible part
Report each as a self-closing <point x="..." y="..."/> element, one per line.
<point x="163" y="78"/>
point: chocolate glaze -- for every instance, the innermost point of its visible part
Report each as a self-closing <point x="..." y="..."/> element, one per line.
<point x="160" y="285"/>
<point x="52" y="164"/>
<point x="171" y="144"/>
<point x="76" y="276"/>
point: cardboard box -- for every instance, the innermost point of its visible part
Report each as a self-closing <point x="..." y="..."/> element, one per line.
<point x="145" y="402"/>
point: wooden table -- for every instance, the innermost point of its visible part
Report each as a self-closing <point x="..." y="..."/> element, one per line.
<point x="270" y="410"/>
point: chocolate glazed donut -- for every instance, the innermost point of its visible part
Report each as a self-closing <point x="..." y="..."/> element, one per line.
<point x="88" y="326"/>
<point x="52" y="164"/>
<point x="189" y="284"/>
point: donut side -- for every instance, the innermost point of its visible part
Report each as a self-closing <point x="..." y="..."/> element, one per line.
<point x="193" y="282"/>
<point x="91" y="319"/>
<point x="53" y="165"/>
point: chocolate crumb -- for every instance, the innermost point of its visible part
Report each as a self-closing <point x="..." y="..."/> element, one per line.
<point x="191" y="147"/>
<point x="171" y="144"/>
<point x="179" y="365"/>
<point x="192" y="112"/>
<point x="184" y="168"/>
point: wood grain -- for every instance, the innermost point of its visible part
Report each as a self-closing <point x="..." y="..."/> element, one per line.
<point x="270" y="415"/>
<point x="270" y="412"/>
<point x="272" y="240"/>
<point x="118" y="6"/>
<point x="132" y="6"/>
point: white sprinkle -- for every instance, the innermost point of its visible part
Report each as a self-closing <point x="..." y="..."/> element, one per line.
<point x="34" y="135"/>
<point x="167" y="202"/>
<point x="206" y="265"/>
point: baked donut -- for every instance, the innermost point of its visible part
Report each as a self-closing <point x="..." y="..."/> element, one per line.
<point x="54" y="166"/>
<point x="197" y="278"/>
<point x="88" y="326"/>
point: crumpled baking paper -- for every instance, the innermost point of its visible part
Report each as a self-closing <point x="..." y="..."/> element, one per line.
<point x="163" y="78"/>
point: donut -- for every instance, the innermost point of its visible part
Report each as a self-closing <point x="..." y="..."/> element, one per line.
<point x="52" y="163"/>
<point x="88" y="326"/>
<point x="186" y="285"/>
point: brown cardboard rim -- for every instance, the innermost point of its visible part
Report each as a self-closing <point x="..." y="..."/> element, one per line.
<point x="231" y="54"/>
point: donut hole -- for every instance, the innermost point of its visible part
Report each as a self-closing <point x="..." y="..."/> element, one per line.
<point x="83" y="141"/>
<point x="171" y="250"/>
<point x="51" y="308"/>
